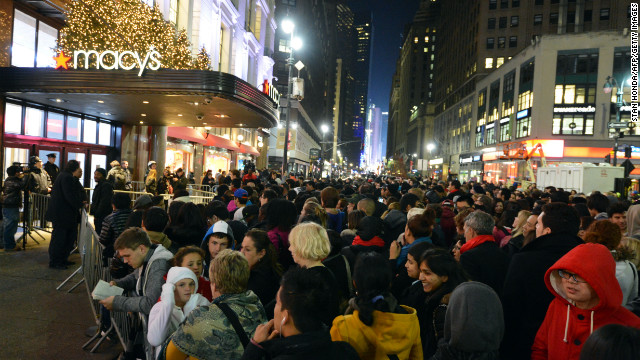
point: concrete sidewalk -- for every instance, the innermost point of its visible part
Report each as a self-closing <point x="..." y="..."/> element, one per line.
<point x="38" y="322"/>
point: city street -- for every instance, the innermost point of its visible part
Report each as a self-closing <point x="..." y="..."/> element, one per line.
<point x="38" y="322"/>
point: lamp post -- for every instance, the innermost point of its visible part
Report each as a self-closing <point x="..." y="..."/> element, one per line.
<point x="295" y="44"/>
<point x="607" y="88"/>
<point x="325" y="129"/>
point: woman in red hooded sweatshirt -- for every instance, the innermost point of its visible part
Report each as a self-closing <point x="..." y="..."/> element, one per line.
<point x="587" y="297"/>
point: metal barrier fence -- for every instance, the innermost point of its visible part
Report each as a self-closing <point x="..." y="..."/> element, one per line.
<point x="137" y="186"/>
<point x="38" y="205"/>
<point x="93" y="269"/>
<point x="206" y="188"/>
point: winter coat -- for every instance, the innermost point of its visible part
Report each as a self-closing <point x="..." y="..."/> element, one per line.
<point x="53" y="170"/>
<point x="12" y="192"/>
<point x="118" y="177"/>
<point x="448" y="225"/>
<point x="165" y="317"/>
<point x="473" y="326"/>
<point x="112" y="226"/>
<point x="566" y="327"/>
<point x="151" y="185"/>
<point x="207" y="334"/>
<point x="525" y="297"/>
<point x="485" y="263"/>
<point x="161" y="238"/>
<point x="101" y="199"/>
<point x="336" y="221"/>
<point x="40" y="181"/>
<point x="394" y="224"/>
<point x="67" y="196"/>
<point x="146" y="282"/>
<point x="180" y="184"/>
<point x="309" y="346"/>
<point x="627" y="276"/>
<point x="390" y="333"/>
<point x="264" y="282"/>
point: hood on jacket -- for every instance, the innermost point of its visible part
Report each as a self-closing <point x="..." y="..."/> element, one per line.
<point x="369" y="227"/>
<point x="474" y="321"/>
<point x="395" y="218"/>
<point x="594" y="263"/>
<point x="633" y="220"/>
<point x="390" y="333"/>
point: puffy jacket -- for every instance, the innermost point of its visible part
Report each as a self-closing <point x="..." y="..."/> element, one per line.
<point x="40" y="181"/>
<point x="12" y="192"/>
<point x="391" y="333"/>
<point x="118" y="176"/>
<point x="566" y="327"/>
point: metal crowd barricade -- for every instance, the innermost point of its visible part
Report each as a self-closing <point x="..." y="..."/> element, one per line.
<point x="203" y="193"/>
<point x="206" y="188"/>
<point x="93" y="270"/>
<point x="38" y="205"/>
<point x="137" y="186"/>
<point x="135" y="195"/>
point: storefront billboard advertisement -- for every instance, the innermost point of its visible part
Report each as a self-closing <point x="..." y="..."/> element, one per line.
<point x="115" y="60"/>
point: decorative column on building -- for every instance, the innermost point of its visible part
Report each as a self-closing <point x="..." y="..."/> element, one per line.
<point x="158" y="143"/>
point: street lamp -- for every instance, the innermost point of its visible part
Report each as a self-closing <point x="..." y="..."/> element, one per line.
<point x="607" y="88"/>
<point x="295" y="44"/>
<point x="325" y="129"/>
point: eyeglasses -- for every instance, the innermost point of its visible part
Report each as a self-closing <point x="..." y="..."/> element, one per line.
<point x="567" y="275"/>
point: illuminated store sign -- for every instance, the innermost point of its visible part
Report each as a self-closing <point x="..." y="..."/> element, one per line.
<point x="466" y="160"/>
<point x="437" y="161"/>
<point x="115" y="60"/>
<point x="583" y="109"/>
<point x="522" y="113"/>
<point x="271" y="91"/>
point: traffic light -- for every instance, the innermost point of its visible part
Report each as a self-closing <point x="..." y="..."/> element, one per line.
<point x="627" y="152"/>
<point x="607" y="158"/>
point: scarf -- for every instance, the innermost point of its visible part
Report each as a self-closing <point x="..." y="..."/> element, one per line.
<point x="375" y="241"/>
<point x="476" y="241"/>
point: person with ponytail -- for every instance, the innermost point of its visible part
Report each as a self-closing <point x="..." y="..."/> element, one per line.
<point x="264" y="279"/>
<point x="417" y="230"/>
<point x="440" y="274"/>
<point x="378" y="328"/>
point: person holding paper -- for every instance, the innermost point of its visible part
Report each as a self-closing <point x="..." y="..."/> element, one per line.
<point x="179" y="297"/>
<point x="151" y="263"/>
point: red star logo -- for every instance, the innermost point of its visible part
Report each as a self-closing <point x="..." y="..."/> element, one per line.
<point x="61" y="60"/>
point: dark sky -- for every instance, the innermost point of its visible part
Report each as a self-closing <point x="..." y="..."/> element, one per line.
<point x="389" y="19"/>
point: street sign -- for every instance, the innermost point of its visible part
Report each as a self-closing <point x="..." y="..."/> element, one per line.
<point x="618" y="125"/>
<point x="314" y="154"/>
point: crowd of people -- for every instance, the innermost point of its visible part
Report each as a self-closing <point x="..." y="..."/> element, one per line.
<point x="370" y="267"/>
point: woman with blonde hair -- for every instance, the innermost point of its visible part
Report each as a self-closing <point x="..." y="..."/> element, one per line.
<point x="309" y="245"/>
<point x="517" y="227"/>
<point x="313" y="211"/>
<point x="393" y="206"/>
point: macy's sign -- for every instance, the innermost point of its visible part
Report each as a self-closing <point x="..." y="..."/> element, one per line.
<point x="111" y="60"/>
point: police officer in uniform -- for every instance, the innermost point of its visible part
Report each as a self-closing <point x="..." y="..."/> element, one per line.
<point x="51" y="168"/>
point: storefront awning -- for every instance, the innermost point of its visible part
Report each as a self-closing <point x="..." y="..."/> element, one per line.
<point x="218" y="141"/>
<point x="246" y="149"/>
<point x="158" y="98"/>
<point x="186" y="133"/>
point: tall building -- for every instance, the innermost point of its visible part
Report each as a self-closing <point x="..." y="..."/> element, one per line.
<point x="410" y="109"/>
<point x="361" y="74"/>
<point x="486" y="36"/>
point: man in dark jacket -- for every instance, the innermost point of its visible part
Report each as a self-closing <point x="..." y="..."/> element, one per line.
<point x="67" y="197"/>
<point x="115" y="223"/>
<point x="101" y="199"/>
<point x="40" y="179"/>
<point x="51" y="168"/>
<point x="179" y="182"/>
<point x="481" y="256"/>
<point x="11" y="203"/>
<point x="297" y="331"/>
<point x="525" y="298"/>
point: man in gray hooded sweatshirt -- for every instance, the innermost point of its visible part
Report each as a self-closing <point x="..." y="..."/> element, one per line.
<point x="473" y="325"/>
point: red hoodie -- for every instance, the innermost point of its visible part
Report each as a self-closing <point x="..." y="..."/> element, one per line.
<point x="566" y="327"/>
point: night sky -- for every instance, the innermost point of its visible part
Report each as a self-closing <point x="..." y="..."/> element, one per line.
<point x="389" y="19"/>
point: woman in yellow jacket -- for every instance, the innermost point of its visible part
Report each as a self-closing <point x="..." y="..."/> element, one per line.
<point x="377" y="327"/>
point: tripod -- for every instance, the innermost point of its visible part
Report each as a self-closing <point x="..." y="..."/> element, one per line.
<point x="27" y="227"/>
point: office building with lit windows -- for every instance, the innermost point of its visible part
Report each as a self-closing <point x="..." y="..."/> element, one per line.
<point x="552" y="94"/>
